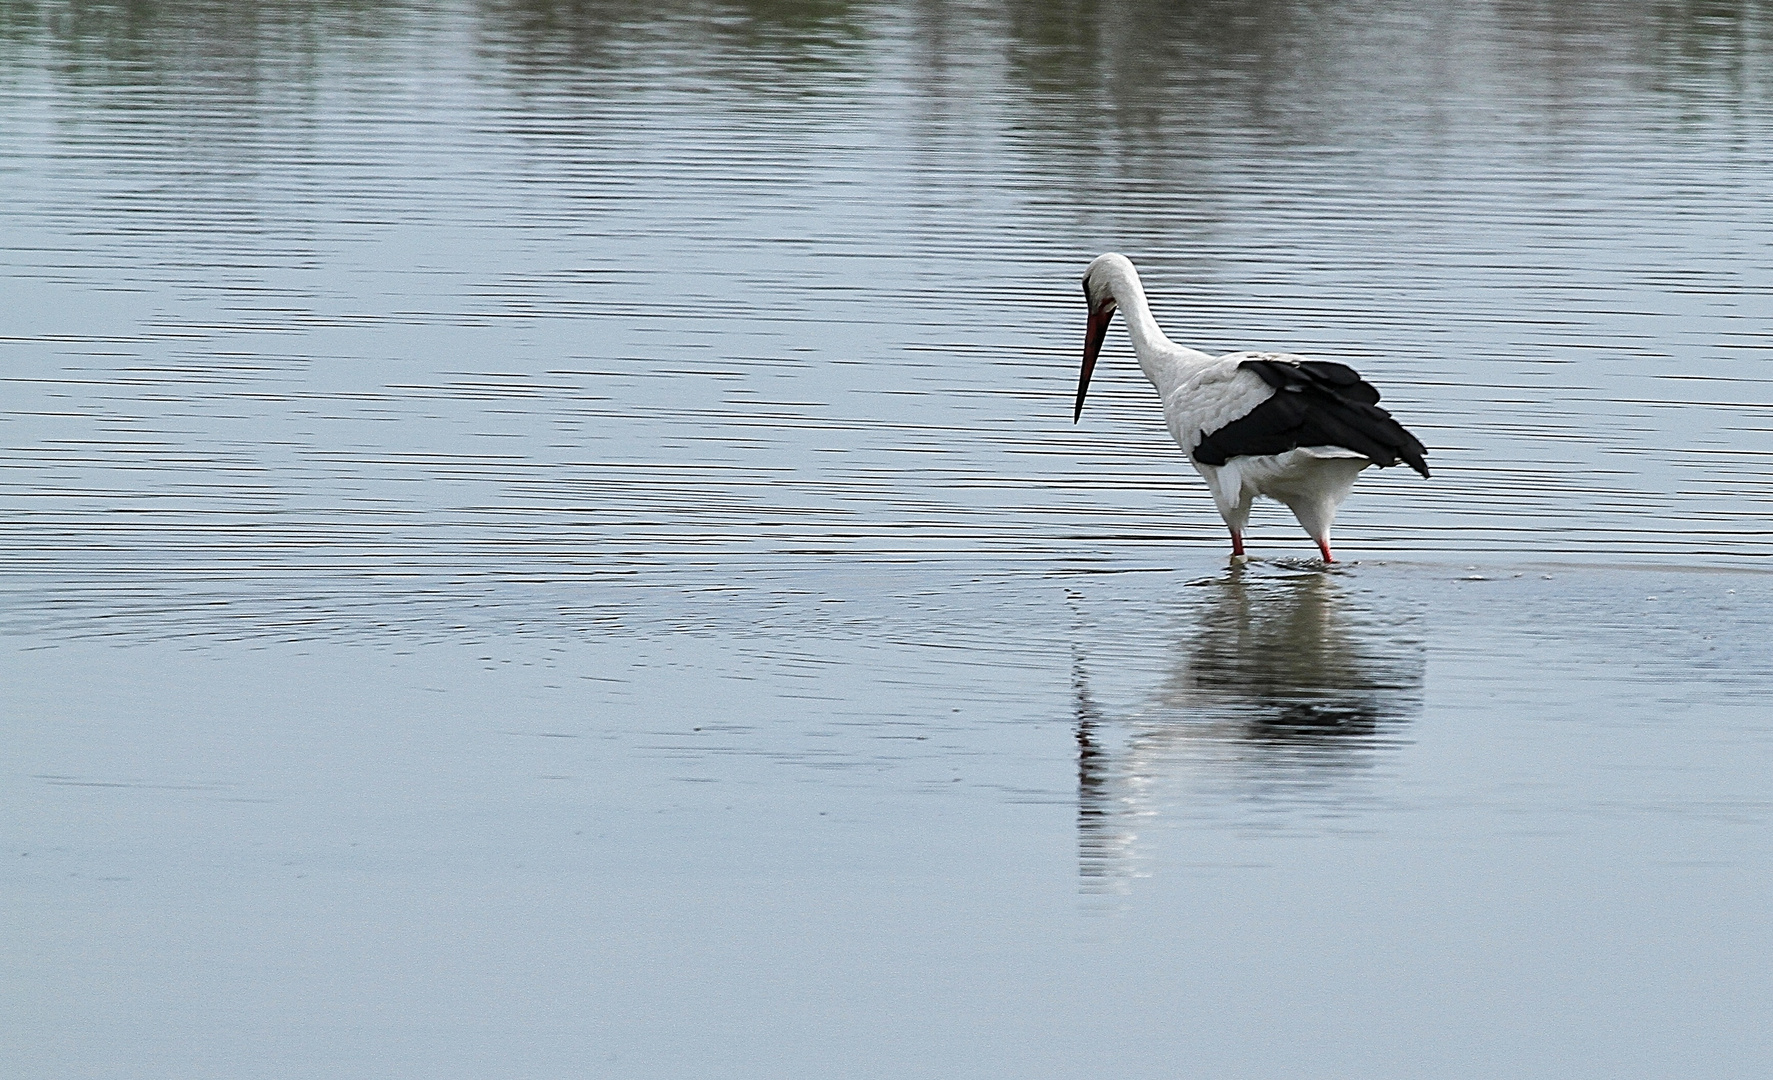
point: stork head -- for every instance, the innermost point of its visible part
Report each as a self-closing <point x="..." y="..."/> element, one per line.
<point x="1098" y="287"/>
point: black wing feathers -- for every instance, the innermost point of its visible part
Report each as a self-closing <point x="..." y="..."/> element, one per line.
<point x="1315" y="403"/>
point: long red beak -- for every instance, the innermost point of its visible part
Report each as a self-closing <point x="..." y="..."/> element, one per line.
<point x="1098" y="329"/>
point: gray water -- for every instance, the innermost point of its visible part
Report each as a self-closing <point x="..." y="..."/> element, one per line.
<point x="548" y="539"/>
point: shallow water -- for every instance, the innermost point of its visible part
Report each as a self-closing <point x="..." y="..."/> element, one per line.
<point x="548" y="537"/>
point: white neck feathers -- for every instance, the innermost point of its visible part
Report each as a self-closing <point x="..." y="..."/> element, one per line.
<point x="1129" y="296"/>
<point x="1163" y="361"/>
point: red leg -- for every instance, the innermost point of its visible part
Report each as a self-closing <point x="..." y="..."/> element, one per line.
<point x="1323" y="545"/>
<point x="1237" y="543"/>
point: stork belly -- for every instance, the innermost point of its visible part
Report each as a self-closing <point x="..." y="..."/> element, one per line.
<point x="1312" y="481"/>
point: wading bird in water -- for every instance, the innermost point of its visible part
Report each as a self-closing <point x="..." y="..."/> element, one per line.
<point x="1297" y="431"/>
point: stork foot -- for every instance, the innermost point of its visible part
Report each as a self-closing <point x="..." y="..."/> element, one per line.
<point x="1323" y="545"/>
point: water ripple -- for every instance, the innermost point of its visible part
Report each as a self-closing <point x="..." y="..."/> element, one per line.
<point x="563" y="307"/>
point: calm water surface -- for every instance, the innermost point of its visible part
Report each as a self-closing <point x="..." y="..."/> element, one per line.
<point x="547" y="539"/>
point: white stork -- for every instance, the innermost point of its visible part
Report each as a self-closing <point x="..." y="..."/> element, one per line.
<point x="1298" y="431"/>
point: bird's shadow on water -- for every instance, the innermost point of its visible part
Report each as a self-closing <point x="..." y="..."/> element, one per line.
<point x="1274" y="697"/>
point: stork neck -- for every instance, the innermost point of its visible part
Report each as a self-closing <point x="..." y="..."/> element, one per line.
<point x="1148" y="339"/>
<point x="1163" y="361"/>
<point x="1142" y="328"/>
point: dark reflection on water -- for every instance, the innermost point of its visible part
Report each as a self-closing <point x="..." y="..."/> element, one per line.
<point x="266" y="47"/>
<point x="1288" y="649"/>
<point x="556" y="36"/>
<point x="1283" y="685"/>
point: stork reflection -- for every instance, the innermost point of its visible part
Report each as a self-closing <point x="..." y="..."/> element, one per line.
<point x="1278" y="692"/>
